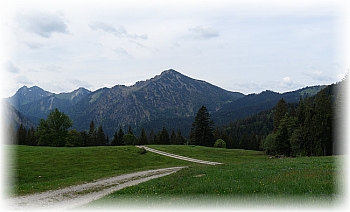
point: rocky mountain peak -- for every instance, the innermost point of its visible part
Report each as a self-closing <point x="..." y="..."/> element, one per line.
<point x="26" y="94"/>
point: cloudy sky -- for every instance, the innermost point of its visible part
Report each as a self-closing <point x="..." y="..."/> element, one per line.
<point x="244" y="46"/>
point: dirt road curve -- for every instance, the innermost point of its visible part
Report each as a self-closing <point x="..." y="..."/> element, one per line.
<point x="75" y="196"/>
<point x="179" y="157"/>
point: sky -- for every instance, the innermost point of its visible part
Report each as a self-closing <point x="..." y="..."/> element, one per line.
<point x="242" y="46"/>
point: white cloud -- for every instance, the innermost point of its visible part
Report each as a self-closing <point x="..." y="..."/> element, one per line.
<point x="80" y="83"/>
<point x="10" y="67"/>
<point x="42" y="23"/>
<point x="317" y="75"/>
<point x="287" y="81"/>
<point x="109" y="28"/>
<point x="52" y="68"/>
<point x="122" y="52"/>
<point x="33" y="45"/>
<point x="49" y="68"/>
<point x="176" y="44"/>
<point x="118" y="31"/>
<point x="22" y="79"/>
<point x="204" y="32"/>
<point x="250" y="86"/>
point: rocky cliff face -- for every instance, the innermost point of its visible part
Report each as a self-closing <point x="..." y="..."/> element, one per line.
<point x="167" y="95"/>
<point x="26" y="95"/>
<point x="41" y="107"/>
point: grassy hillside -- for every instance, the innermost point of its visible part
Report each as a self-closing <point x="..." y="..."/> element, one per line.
<point x="39" y="169"/>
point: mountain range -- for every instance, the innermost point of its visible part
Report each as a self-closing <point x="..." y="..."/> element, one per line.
<point x="169" y="100"/>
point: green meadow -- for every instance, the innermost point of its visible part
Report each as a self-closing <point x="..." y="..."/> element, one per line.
<point x="38" y="169"/>
<point x="244" y="176"/>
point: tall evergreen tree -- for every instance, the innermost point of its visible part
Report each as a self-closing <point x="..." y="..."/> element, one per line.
<point x="164" y="137"/>
<point x="31" y="137"/>
<point x="115" y="138"/>
<point x="21" y="135"/>
<point x="282" y="139"/>
<point x="179" y="138"/>
<point x="92" y="138"/>
<point x="151" y="137"/>
<point x="85" y="138"/>
<point x="172" y="137"/>
<point x="300" y="113"/>
<point x="130" y="131"/>
<point x="322" y="123"/>
<point x="280" y="111"/>
<point x="100" y="137"/>
<point x="143" y="137"/>
<point x="120" y="137"/>
<point x="202" y="128"/>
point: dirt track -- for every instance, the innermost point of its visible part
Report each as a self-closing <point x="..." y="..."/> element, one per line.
<point x="179" y="157"/>
<point x="75" y="196"/>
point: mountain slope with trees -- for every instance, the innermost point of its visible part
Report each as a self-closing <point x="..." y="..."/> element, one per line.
<point x="41" y="107"/>
<point x="169" y="95"/>
<point x="168" y="100"/>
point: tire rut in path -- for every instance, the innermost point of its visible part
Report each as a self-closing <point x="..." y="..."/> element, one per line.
<point x="75" y="196"/>
<point x="179" y="157"/>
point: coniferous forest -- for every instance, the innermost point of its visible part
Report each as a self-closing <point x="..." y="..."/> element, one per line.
<point x="289" y="129"/>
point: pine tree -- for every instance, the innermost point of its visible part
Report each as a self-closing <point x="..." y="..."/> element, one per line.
<point x="151" y="137"/>
<point x="21" y="135"/>
<point x="130" y="131"/>
<point x="322" y="124"/>
<point x="107" y="140"/>
<point x="85" y="138"/>
<point x="120" y="137"/>
<point x="143" y="137"/>
<point x="30" y="137"/>
<point x="91" y="141"/>
<point x="282" y="139"/>
<point x="100" y="137"/>
<point x="164" y="137"/>
<point x="179" y="139"/>
<point x="280" y="111"/>
<point x="202" y="128"/>
<point x="300" y="113"/>
<point x="307" y="129"/>
<point x="173" y="137"/>
<point x="115" y="138"/>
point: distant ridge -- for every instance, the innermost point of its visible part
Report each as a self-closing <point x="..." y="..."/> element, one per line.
<point x="170" y="99"/>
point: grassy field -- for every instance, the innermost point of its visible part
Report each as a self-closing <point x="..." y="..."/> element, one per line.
<point x="246" y="176"/>
<point x="37" y="169"/>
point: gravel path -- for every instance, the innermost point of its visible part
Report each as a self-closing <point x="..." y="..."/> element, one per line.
<point x="179" y="157"/>
<point x="75" y="196"/>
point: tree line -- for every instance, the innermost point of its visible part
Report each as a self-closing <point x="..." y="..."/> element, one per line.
<point x="306" y="128"/>
<point x="54" y="132"/>
<point x="304" y="131"/>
